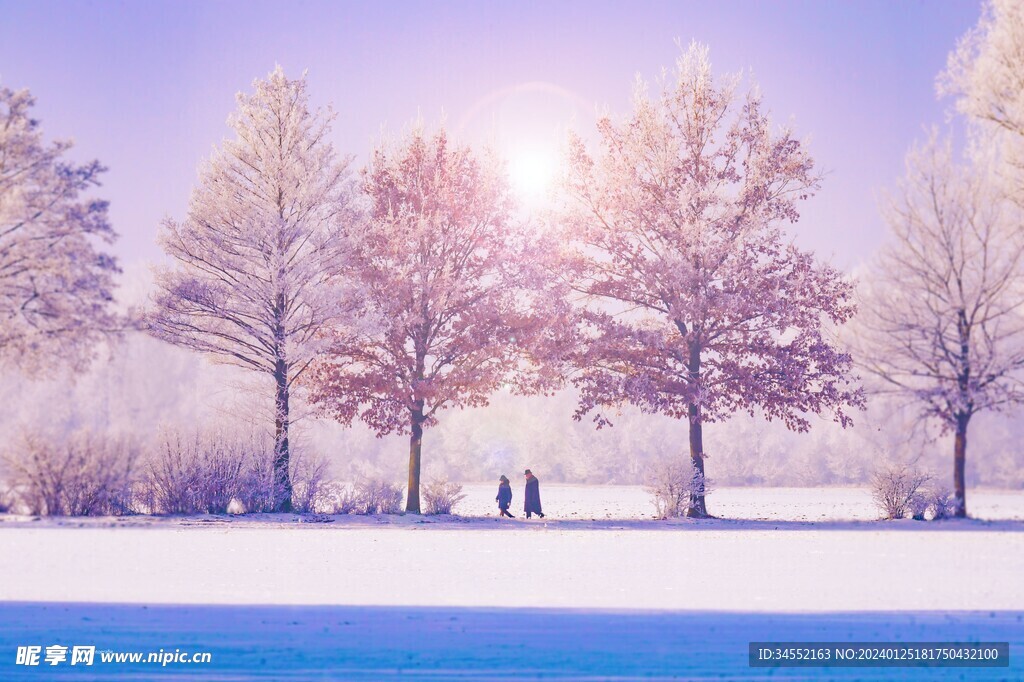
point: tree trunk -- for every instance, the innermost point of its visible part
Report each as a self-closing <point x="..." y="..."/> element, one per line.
<point x="282" y="477"/>
<point x="412" y="504"/>
<point x="697" y="509"/>
<point x="959" y="458"/>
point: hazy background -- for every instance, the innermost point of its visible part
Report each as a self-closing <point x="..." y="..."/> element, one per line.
<point x="146" y="88"/>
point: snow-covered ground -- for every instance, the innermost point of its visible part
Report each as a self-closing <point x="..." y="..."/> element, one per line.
<point x="785" y="504"/>
<point x="602" y="504"/>
<point x="596" y="589"/>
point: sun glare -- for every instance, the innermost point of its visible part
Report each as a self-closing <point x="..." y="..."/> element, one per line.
<point x="528" y="124"/>
<point x="532" y="172"/>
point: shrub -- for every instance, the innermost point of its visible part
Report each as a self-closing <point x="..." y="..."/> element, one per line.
<point x="84" y="475"/>
<point x="6" y="500"/>
<point x="899" y="492"/>
<point x="169" y="486"/>
<point x="941" y="503"/>
<point x="197" y="476"/>
<point x="379" y="497"/>
<point x="671" y="483"/>
<point x="215" y="474"/>
<point x="918" y="505"/>
<point x="219" y="467"/>
<point x="337" y="498"/>
<point x="259" y="488"/>
<point x="441" y="495"/>
<point x="307" y="480"/>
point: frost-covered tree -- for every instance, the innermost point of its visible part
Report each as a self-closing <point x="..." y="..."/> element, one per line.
<point x="985" y="73"/>
<point x="255" y="283"/>
<point x="447" y="275"/>
<point x="695" y="304"/>
<point x="943" y="313"/>
<point x="986" y="70"/>
<point x="55" y="286"/>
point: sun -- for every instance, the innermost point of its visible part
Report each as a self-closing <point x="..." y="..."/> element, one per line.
<point x="532" y="171"/>
<point x="527" y="124"/>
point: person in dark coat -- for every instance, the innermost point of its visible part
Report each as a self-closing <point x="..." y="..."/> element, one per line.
<point x="531" y="505"/>
<point x="504" y="498"/>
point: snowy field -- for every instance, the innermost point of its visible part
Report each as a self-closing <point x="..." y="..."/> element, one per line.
<point x="595" y="591"/>
<point x="602" y="502"/>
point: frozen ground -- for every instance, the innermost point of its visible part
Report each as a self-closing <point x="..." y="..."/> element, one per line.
<point x="604" y="593"/>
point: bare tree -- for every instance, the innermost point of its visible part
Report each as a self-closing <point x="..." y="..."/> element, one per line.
<point x="257" y="257"/>
<point x="943" y="315"/>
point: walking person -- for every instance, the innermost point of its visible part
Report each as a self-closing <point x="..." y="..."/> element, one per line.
<point x="504" y="498"/>
<point x="531" y="504"/>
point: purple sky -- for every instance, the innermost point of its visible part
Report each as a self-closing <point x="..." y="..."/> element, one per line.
<point x="146" y="86"/>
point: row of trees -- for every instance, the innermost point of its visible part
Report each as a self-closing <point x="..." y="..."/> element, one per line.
<point x="662" y="280"/>
<point x="390" y="298"/>
<point x="663" y="277"/>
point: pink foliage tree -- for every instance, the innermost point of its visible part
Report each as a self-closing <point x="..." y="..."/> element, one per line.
<point x="450" y="305"/>
<point x="693" y="303"/>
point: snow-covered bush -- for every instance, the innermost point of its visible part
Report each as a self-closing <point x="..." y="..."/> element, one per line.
<point x="941" y="503"/>
<point x="440" y="495"/>
<point x="6" y="499"/>
<point x="259" y="487"/>
<point x="218" y="480"/>
<point x="307" y="475"/>
<point x="83" y="475"/>
<point x="334" y="497"/>
<point x="379" y="497"/>
<point x="218" y="474"/>
<point x="918" y="505"/>
<point x="671" y="483"/>
<point x="201" y="475"/>
<point x="899" y="492"/>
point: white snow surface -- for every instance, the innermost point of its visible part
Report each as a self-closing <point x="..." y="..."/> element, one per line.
<point x="781" y="550"/>
<point x="596" y="591"/>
